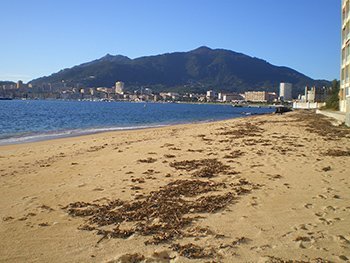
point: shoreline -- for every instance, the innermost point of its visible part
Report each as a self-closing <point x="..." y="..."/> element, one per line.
<point x="268" y="188"/>
<point x="53" y="135"/>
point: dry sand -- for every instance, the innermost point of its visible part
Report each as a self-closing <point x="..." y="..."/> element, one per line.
<point x="260" y="189"/>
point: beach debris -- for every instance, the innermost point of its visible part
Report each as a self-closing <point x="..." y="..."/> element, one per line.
<point x="134" y="187"/>
<point x="193" y="251"/>
<point x="148" y="160"/>
<point x="96" y="148"/>
<point x="138" y="180"/>
<point x="301" y="238"/>
<point x="273" y="259"/>
<point x="326" y="169"/>
<point x="161" y="256"/>
<point x="175" y="149"/>
<point x="321" y="125"/>
<point x="167" y="145"/>
<point x="205" y="168"/>
<point x="243" y="130"/>
<point x="241" y="240"/>
<point x="129" y="258"/>
<point x="164" y="214"/>
<point x="150" y="172"/>
<point x="234" y="154"/>
<point x="169" y="156"/>
<point x="337" y="152"/>
<point x="7" y="218"/>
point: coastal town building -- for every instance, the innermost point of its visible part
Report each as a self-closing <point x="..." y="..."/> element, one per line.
<point x="211" y="95"/>
<point x="344" y="92"/>
<point x="20" y="84"/>
<point x="105" y="90"/>
<point x="147" y="91"/>
<point x="228" y="97"/>
<point x="313" y="98"/>
<point x="286" y="91"/>
<point x="256" y="96"/>
<point x="169" y="95"/>
<point x="119" y="87"/>
<point x="9" y="86"/>
<point x="314" y="94"/>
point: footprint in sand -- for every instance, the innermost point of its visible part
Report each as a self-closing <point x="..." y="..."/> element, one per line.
<point x="98" y="189"/>
<point x="343" y="239"/>
<point x="304" y="242"/>
<point x="329" y="208"/>
<point x="345" y="258"/>
<point x="326" y="221"/>
<point x="308" y="206"/>
<point x="322" y="196"/>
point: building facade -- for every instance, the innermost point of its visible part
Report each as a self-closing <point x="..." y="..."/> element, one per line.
<point x="286" y="91"/>
<point x="256" y="96"/>
<point x="119" y="87"/>
<point x="314" y="94"/>
<point x="345" y="57"/>
<point x="211" y="95"/>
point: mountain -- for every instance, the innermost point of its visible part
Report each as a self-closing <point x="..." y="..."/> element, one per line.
<point x="7" y="82"/>
<point x="194" y="71"/>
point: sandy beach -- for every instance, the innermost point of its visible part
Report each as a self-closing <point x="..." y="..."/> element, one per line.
<point x="266" y="188"/>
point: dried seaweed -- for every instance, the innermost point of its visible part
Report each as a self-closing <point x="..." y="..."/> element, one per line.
<point x="205" y="168"/>
<point x="234" y="154"/>
<point x="131" y="258"/>
<point x="192" y="251"/>
<point x="164" y="214"/>
<point x="273" y="259"/>
<point x="337" y="152"/>
<point x="148" y="160"/>
<point x="321" y="125"/>
<point x="243" y="130"/>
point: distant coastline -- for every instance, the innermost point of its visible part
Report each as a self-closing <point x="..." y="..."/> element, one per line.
<point x="73" y="118"/>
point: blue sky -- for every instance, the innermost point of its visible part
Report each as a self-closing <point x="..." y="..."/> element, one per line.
<point x="40" y="37"/>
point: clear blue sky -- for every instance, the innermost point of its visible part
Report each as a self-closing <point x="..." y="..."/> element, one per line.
<point x="40" y="37"/>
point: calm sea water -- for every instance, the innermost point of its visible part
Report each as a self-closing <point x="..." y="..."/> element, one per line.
<point x="33" y="120"/>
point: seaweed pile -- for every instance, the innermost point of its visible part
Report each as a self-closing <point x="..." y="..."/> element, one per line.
<point x="204" y="168"/>
<point x="243" y="130"/>
<point x="337" y="152"/>
<point x="164" y="214"/>
<point x="193" y="251"/>
<point x="322" y="125"/>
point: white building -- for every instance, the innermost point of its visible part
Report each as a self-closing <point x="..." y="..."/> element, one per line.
<point x="119" y="87"/>
<point x="344" y="93"/>
<point x="211" y="95"/>
<point x="228" y="97"/>
<point x="286" y="91"/>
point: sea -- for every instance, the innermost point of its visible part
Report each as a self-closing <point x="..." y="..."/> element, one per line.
<point x="36" y="120"/>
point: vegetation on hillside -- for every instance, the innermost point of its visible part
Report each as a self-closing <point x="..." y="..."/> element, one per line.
<point x="194" y="71"/>
<point x="332" y="102"/>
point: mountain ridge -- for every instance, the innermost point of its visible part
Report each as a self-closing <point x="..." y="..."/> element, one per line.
<point x="192" y="71"/>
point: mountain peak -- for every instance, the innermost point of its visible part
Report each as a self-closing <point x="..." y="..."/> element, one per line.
<point x="116" y="58"/>
<point x="107" y="56"/>
<point x="201" y="49"/>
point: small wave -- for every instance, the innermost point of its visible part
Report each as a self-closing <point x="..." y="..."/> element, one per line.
<point x="69" y="133"/>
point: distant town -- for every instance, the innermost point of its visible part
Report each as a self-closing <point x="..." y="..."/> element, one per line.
<point x="312" y="98"/>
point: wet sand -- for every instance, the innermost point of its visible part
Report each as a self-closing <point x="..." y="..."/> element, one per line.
<point x="259" y="189"/>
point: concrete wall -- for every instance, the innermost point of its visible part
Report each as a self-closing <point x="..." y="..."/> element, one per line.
<point x="347" y="114"/>
<point x="308" y="105"/>
<point x="337" y="115"/>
